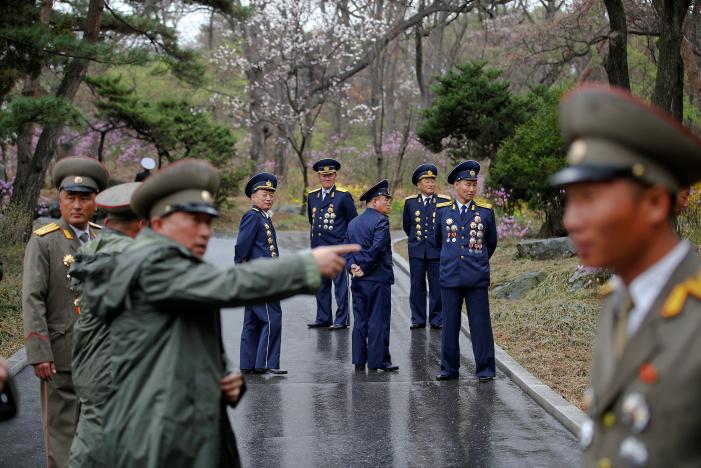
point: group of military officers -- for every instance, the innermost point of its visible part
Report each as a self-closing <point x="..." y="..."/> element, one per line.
<point x="128" y="317"/>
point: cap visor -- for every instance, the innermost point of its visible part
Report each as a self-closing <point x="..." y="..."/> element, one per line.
<point x="575" y="174"/>
<point x="78" y="188"/>
<point x="210" y="210"/>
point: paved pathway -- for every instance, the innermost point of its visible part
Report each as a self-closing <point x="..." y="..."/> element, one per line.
<point x="325" y="414"/>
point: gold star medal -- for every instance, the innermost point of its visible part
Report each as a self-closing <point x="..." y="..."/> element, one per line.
<point x="68" y="260"/>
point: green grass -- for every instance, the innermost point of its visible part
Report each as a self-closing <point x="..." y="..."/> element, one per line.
<point x="11" y="331"/>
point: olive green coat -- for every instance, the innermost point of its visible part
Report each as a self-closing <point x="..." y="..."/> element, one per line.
<point x="662" y="363"/>
<point x="49" y="313"/>
<point x="163" y="304"/>
<point x="91" y="352"/>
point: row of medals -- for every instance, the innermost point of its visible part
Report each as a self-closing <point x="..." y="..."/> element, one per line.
<point x="476" y="233"/>
<point x="329" y="218"/>
<point x="271" y="244"/>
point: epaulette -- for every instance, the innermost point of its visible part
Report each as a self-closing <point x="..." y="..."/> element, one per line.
<point x="315" y="190"/>
<point x="411" y="197"/>
<point x="94" y="225"/>
<point x="44" y="230"/>
<point x="444" y="204"/>
<point x="341" y="189"/>
<point x="442" y="195"/>
<point x="674" y="303"/>
<point x="608" y="288"/>
<point x="483" y="204"/>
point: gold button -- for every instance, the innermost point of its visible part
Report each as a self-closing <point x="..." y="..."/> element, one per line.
<point x="609" y="420"/>
<point x="461" y="257"/>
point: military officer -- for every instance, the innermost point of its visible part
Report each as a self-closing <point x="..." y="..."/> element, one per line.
<point x="91" y="340"/>
<point x="330" y="209"/>
<point x="262" y="323"/>
<point x="467" y="233"/>
<point x="419" y="223"/>
<point x="162" y="303"/>
<point x="48" y="304"/>
<point x="627" y="160"/>
<point x="373" y="277"/>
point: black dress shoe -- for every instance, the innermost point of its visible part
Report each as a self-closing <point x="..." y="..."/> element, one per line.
<point x="485" y="378"/>
<point x="360" y="367"/>
<point x="337" y="326"/>
<point x="437" y="327"/>
<point x="414" y="326"/>
<point x="277" y="371"/>
<point x="317" y="325"/>
<point x="386" y="369"/>
<point x="446" y="377"/>
<point x="248" y="371"/>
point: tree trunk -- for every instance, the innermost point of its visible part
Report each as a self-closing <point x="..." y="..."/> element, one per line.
<point x="31" y="174"/>
<point x="667" y="82"/>
<point x="616" y="63"/>
<point x="553" y="226"/>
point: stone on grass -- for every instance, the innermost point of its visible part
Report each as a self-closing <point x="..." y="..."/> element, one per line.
<point x="586" y="277"/>
<point x="519" y="287"/>
<point x="545" y="249"/>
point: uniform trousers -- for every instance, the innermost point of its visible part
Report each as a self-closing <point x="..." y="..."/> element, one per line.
<point x="419" y="269"/>
<point x="372" y="304"/>
<point x="324" y="303"/>
<point x="59" y="408"/>
<point x="261" y="336"/>
<point x="477" y="302"/>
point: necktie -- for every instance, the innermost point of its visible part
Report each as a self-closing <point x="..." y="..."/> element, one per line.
<point x="621" y="333"/>
<point x="84" y="237"/>
<point x="323" y="195"/>
<point x="463" y="211"/>
<point x="425" y="201"/>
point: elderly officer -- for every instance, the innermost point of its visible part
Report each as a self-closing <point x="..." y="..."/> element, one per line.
<point x="330" y="209"/>
<point x="419" y="223"/>
<point x="626" y="162"/>
<point x="373" y="277"/>
<point x="48" y="304"/>
<point x="162" y="303"/>
<point x="262" y="323"/>
<point x="91" y="340"/>
<point x="467" y="233"/>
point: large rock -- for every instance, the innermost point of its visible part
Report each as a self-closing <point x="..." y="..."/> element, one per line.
<point x="585" y="277"/>
<point x="519" y="287"/>
<point x="545" y="249"/>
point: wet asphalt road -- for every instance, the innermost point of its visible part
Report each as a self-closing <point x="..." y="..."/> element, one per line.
<point x="325" y="414"/>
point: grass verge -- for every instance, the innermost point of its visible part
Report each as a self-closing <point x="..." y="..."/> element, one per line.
<point x="11" y="331"/>
<point x="551" y="330"/>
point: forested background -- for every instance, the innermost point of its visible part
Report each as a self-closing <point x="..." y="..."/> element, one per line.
<point x="276" y="84"/>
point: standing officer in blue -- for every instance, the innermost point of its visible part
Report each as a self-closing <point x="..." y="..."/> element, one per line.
<point x="262" y="324"/>
<point x="419" y="224"/>
<point x="373" y="277"/>
<point x="467" y="232"/>
<point x="330" y="209"/>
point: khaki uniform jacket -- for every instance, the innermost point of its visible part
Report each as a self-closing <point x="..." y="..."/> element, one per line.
<point x="648" y="404"/>
<point x="47" y="303"/>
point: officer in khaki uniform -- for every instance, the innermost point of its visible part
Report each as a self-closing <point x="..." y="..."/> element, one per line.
<point x="627" y="160"/>
<point x="48" y="304"/>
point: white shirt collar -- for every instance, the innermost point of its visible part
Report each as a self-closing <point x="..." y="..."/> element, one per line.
<point x="460" y="205"/>
<point x="647" y="286"/>
<point x="425" y="197"/>
<point x="326" y="191"/>
<point x="78" y="232"/>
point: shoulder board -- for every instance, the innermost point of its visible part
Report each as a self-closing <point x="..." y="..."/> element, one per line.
<point x="44" y="230"/>
<point x="315" y="190"/>
<point x="483" y="204"/>
<point x="608" y="288"/>
<point x="674" y="304"/>
<point x="411" y="197"/>
<point x="443" y="195"/>
<point x="342" y="190"/>
<point x="444" y="204"/>
<point x="94" y="225"/>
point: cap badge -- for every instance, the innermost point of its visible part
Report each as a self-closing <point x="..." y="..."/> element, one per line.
<point x="429" y="173"/>
<point x="268" y="183"/>
<point x="638" y="170"/>
<point x="472" y="173"/>
<point x="78" y="180"/>
<point x="206" y="196"/>
<point x="327" y="168"/>
<point x="577" y="152"/>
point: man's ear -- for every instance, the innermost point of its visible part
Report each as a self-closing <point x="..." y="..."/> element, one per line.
<point x="658" y="205"/>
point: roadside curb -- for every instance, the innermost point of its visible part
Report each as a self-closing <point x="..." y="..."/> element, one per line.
<point x="565" y="412"/>
<point x="17" y="362"/>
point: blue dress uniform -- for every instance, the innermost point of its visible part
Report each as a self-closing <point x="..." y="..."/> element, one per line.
<point x="262" y="324"/>
<point x="419" y="223"/>
<point x="468" y="238"/>
<point x="329" y="215"/>
<point x="372" y="301"/>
